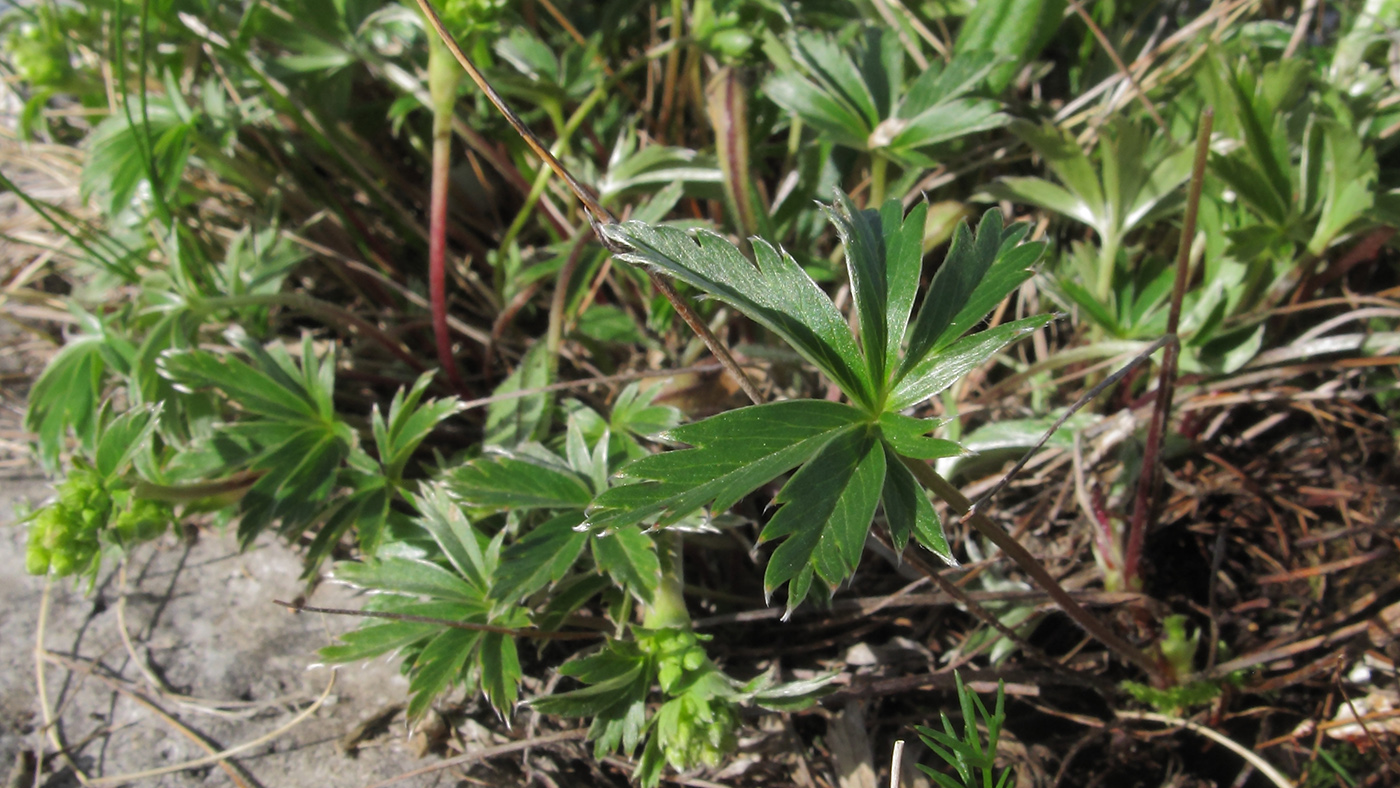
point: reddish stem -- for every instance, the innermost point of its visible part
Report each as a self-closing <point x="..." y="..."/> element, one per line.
<point x="437" y="260"/>
<point x="1145" y="497"/>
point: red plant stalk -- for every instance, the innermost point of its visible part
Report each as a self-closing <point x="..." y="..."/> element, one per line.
<point x="1144" y="499"/>
<point x="443" y="77"/>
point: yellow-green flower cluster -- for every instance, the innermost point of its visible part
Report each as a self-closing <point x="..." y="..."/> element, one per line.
<point x="66" y="537"/>
<point x="696" y="725"/>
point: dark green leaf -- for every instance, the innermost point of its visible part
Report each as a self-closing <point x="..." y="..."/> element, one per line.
<point x="251" y="389"/>
<point x="407" y="576"/>
<point x="377" y="638"/>
<point x="299" y="472"/>
<point x="809" y="500"/>
<point x="539" y="558"/>
<point x="735" y="453"/>
<point x="843" y="539"/>
<point x="514" y="421"/>
<point x="1011" y="269"/>
<point x="438" y="667"/>
<point x="942" y="369"/>
<point x="65" y="395"/>
<point x="904" y="258"/>
<point x="865" y="265"/>
<point x="909" y="436"/>
<point x="509" y="480"/>
<point x="500" y="672"/>
<point x="776" y="292"/>
<point x="969" y="259"/>
<point x="628" y="680"/>
<point x="629" y="557"/>
<point x="123" y="437"/>
<point x="464" y="546"/>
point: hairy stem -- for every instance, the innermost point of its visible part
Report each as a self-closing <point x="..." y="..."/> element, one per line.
<point x="878" y="165"/>
<point x="667" y="609"/>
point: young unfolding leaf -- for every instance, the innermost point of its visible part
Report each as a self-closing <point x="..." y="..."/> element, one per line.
<point x="408" y="425"/>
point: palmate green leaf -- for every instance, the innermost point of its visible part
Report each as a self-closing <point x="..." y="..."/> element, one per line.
<point x="251" y="389"/>
<point x="909" y="436"/>
<point x="367" y="509"/>
<point x="943" y="368"/>
<point x="514" y="421"/>
<point x="1348" y="185"/>
<point x="847" y="474"/>
<point x="409" y="576"/>
<point x="948" y="121"/>
<point x="66" y="395"/>
<point x="842" y="540"/>
<point x="299" y="472"/>
<point x="634" y="412"/>
<point x="908" y="510"/>
<point x="837" y="73"/>
<point x="500" y="671"/>
<point x="379" y="638"/>
<point x="629" y="557"/>
<point x="408" y="424"/>
<point x="1070" y="164"/>
<point x="735" y="453"/>
<point x="539" y="558"/>
<point x="613" y="683"/>
<point x="467" y="549"/>
<point x="840" y="122"/>
<point x="776" y="293"/>
<point x="1011" y="269"/>
<point x="1014" y="29"/>
<point x="123" y="151"/>
<point x="123" y="437"/>
<point x="979" y="271"/>
<point x="517" y="480"/>
<point x="1091" y="306"/>
<point x="940" y="83"/>
<point x="1043" y="194"/>
<point x="438" y="666"/>
<point x="864" y="244"/>
<point x="904" y="257"/>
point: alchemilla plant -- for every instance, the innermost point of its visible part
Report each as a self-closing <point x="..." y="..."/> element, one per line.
<point x="313" y="247"/>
